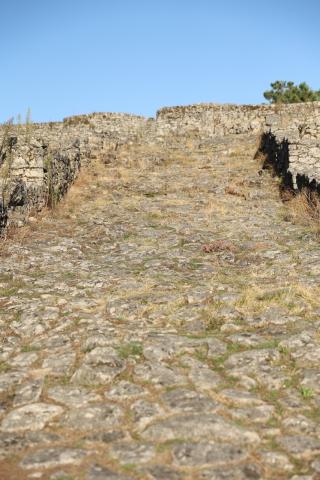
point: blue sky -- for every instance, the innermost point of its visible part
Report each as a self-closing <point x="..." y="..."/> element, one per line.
<point x="65" y="57"/>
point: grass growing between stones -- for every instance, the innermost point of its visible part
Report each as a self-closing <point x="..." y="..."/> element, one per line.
<point x="29" y="348"/>
<point x="4" y="367"/>
<point x="294" y="299"/>
<point x="306" y="392"/>
<point x="127" y="350"/>
<point x="12" y="288"/>
<point x="64" y="477"/>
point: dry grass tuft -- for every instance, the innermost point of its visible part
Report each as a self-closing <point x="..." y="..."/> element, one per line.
<point x="236" y="190"/>
<point x="261" y="157"/>
<point x="304" y="209"/>
<point x="293" y="299"/>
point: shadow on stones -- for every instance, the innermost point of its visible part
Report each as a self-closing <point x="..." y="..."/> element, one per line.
<point x="275" y="158"/>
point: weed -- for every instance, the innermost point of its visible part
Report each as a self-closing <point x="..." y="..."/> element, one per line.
<point x="64" y="477"/>
<point x="235" y="347"/>
<point x="4" y="367"/>
<point x="28" y="125"/>
<point x="52" y="194"/>
<point x="218" y="362"/>
<point x="195" y="263"/>
<point x="29" y="348"/>
<point x="201" y="355"/>
<point x="8" y="292"/>
<point x="6" y="161"/>
<point x="164" y="446"/>
<point x="268" y="344"/>
<point x="291" y="382"/>
<point x="306" y="392"/>
<point x="273" y="444"/>
<point x="304" y="209"/>
<point x="132" y="348"/>
<point x="214" y="322"/>
<point x="129" y="467"/>
<point x="283" y="350"/>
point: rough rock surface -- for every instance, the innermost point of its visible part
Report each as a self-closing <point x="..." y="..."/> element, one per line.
<point x="162" y="324"/>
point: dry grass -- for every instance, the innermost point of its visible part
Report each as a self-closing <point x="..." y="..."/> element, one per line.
<point x="294" y="299"/>
<point x="18" y="234"/>
<point x="304" y="209"/>
<point x="261" y="158"/>
<point x="237" y="189"/>
<point x="79" y="192"/>
<point x="216" y="206"/>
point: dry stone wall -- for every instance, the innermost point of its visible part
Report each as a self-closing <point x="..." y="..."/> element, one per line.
<point x="292" y="145"/>
<point x="38" y="162"/>
<point x="290" y="133"/>
<point x="216" y="120"/>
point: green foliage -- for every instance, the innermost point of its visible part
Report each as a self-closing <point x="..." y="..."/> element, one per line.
<point x="306" y="392"/>
<point x="287" y="92"/>
<point x="132" y="348"/>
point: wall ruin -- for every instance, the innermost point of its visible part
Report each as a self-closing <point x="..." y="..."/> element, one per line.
<point x="39" y="162"/>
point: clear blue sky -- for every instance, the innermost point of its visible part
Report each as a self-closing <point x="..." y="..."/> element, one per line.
<point x="64" y="57"/>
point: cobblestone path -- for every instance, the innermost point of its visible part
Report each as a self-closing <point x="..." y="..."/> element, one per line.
<point x="162" y="324"/>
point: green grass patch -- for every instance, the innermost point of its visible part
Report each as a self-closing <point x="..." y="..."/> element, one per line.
<point x="29" y="348"/>
<point x="306" y="392"/>
<point x="4" y="367"/>
<point x="130" y="349"/>
<point x="164" y="446"/>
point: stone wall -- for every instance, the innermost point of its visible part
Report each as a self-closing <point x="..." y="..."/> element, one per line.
<point x="290" y="133"/>
<point x="34" y="173"/>
<point x="38" y="162"/>
<point x="292" y="145"/>
<point x="217" y="120"/>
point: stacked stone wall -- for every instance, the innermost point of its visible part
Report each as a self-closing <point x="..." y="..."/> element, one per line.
<point x="39" y="162"/>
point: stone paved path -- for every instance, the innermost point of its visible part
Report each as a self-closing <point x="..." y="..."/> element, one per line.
<point x="163" y="324"/>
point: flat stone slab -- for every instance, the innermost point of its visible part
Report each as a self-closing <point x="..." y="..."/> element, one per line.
<point x="187" y="400"/>
<point x="28" y="392"/>
<point x="135" y="453"/>
<point x="72" y="396"/>
<point x="208" y="454"/>
<point x="30" y="417"/>
<point x="125" y="390"/>
<point x="163" y="472"/>
<point x="199" y="426"/>
<point x="300" y="446"/>
<point x="97" y="472"/>
<point x="53" y="457"/>
<point x="96" y="417"/>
